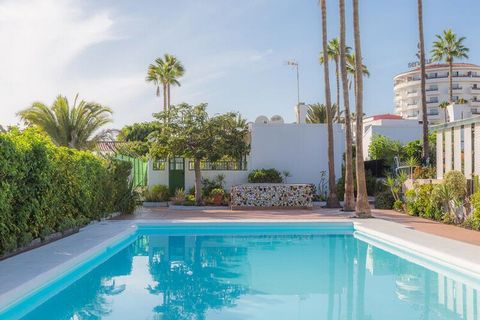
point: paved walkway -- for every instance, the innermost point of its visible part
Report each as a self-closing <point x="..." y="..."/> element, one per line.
<point x="420" y="224"/>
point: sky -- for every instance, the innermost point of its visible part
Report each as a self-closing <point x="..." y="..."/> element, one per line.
<point x="234" y="52"/>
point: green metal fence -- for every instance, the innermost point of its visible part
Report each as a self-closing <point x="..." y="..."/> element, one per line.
<point x="139" y="169"/>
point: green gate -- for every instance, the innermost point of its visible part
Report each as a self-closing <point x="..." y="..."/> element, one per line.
<point x="139" y="169"/>
<point x="176" y="174"/>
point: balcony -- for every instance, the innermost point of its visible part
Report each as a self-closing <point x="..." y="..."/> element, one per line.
<point x="457" y="88"/>
<point x="431" y="89"/>
<point x="475" y="111"/>
<point x="475" y="88"/>
<point x="437" y="76"/>
<point x="432" y="113"/>
<point x="432" y="101"/>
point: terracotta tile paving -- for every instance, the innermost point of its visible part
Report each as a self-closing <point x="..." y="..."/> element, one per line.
<point x="420" y="224"/>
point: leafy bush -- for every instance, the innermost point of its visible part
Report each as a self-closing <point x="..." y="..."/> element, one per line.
<point x="384" y="200"/>
<point x="156" y="193"/>
<point x="456" y="181"/>
<point x="373" y="185"/>
<point x="179" y="197"/>
<point x="265" y="176"/>
<point x="426" y="201"/>
<point x="217" y="192"/>
<point x="46" y="189"/>
<point x="209" y="184"/>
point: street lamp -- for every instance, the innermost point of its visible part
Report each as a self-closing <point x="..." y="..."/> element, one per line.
<point x="295" y="65"/>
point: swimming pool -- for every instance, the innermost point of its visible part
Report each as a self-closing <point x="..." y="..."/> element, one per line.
<point x="253" y="271"/>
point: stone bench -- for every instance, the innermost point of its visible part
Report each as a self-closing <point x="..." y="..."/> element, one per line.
<point x="272" y="196"/>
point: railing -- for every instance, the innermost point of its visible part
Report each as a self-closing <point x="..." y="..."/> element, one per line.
<point x="457" y="88"/>
<point x="475" y="88"/>
<point x="432" y="102"/>
<point x="431" y="89"/>
<point x="437" y="76"/>
<point x="223" y="165"/>
<point x="475" y="111"/>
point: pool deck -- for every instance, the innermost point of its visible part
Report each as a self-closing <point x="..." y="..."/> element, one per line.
<point x="439" y="242"/>
<point x="416" y="223"/>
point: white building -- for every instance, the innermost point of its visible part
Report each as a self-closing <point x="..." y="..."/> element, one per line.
<point x="299" y="148"/>
<point x="391" y="126"/>
<point x="407" y="95"/>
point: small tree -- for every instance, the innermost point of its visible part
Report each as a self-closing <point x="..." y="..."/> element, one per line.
<point x="188" y="131"/>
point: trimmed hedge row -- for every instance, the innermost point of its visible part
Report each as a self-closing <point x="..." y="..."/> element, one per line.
<point x="46" y="189"/>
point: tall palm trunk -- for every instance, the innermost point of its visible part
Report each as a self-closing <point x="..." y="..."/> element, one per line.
<point x="362" y="208"/>
<point x="450" y="78"/>
<point x="198" y="182"/>
<point x="168" y="96"/>
<point x="425" y="158"/>
<point x="349" y="197"/>
<point x="337" y="78"/>
<point x="165" y="93"/>
<point x="332" y="200"/>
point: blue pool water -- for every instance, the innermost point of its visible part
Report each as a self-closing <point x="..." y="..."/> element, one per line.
<point x="276" y="273"/>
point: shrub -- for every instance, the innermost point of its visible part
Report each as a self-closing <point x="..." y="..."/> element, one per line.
<point x="373" y="185"/>
<point x="217" y="192"/>
<point x="265" y="176"/>
<point x="384" y="200"/>
<point x="46" y="189"/>
<point x="456" y="181"/>
<point x="156" y="193"/>
<point x="179" y="197"/>
<point x="209" y="184"/>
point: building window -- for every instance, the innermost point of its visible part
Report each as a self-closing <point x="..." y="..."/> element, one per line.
<point x="433" y="100"/>
<point x="176" y="164"/>
<point x="223" y="165"/>
<point x="159" y="165"/>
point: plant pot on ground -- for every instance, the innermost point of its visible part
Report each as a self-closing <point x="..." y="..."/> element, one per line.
<point x="217" y="195"/>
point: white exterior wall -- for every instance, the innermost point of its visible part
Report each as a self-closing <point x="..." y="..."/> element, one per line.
<point x="403" y="131"/>
<point x="156" y="176"/>
<point x="407" y="97"/>
<point x="232" y="178"/>
<point x="300" y="149"/>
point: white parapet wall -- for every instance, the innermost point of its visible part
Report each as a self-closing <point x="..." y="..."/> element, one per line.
<point x="458" y="147"/>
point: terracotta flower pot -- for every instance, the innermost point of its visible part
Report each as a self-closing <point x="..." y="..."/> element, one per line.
<point x="217" y="199"/>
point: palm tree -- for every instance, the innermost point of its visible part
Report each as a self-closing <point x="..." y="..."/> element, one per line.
<point x="349" y="197"/>
<point x="421" y="44"/>
<point x="317" y="113"/>
<point x="448" y="47"/>
<point x="444" y="106"/>
<point x="165" y="72"/>
<point x="69" y="126"/>
<point x="362" y="208"/>
<point x="332" y="200"/>
<point x="333" y="53"/>
<point x="351" y="67"/>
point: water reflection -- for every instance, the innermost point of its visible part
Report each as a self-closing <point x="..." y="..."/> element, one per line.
<point x="260" y="277"/>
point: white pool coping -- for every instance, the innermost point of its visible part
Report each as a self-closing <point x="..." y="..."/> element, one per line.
<point x="21" y="274"/>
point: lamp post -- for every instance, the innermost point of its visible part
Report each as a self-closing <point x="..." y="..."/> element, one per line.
<point x="295" y="65"/>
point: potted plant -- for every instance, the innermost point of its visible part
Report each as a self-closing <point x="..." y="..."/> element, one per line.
<point x="217" y="195"/>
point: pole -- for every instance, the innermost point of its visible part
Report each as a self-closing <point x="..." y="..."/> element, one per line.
<point x="298" y="87"/>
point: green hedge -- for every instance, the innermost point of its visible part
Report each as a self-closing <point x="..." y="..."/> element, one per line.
<point x="265" y="176"/>
<point x="46" y="189"/>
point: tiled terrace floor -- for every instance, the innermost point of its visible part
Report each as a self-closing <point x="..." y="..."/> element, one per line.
<point x="424" y="225"/>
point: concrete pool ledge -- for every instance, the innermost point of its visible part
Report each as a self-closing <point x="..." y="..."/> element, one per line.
<point x="26" y="272"/>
